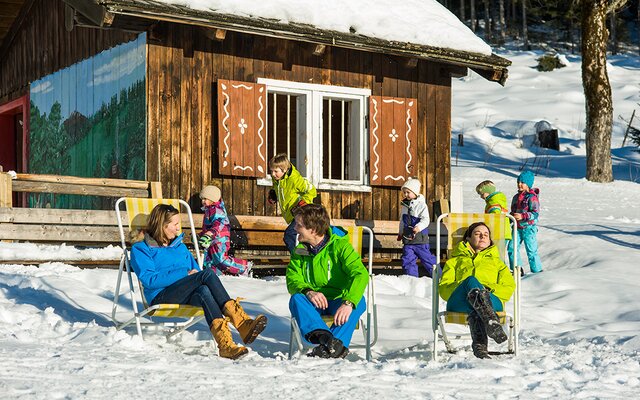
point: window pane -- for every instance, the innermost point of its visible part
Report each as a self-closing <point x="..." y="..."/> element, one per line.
<point x="282" y="127"/>
<point x="341" y="150"/>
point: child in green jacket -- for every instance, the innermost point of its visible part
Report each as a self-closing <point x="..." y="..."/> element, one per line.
<point x="291" y="191"/>
<point x="495" y="203"/>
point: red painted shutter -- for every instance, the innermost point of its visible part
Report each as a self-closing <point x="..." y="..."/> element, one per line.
<point x="393" y="140"/>
<point x="242" y="129"/>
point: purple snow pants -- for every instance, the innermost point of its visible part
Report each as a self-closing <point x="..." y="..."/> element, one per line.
<point x="410" y="255"/>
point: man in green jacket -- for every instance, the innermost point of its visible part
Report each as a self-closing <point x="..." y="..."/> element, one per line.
<point x="325" y="277"/>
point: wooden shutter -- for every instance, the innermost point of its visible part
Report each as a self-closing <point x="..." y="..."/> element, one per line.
<point x="393" y="140"/>
<point x="242" y="129"/>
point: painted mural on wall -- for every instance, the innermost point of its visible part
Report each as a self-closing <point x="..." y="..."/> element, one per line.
<point x="89" y="120"/>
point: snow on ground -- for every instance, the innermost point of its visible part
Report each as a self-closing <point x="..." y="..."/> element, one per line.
<point x="580" y="317"/>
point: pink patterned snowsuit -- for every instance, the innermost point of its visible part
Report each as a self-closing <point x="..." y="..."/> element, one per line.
<point x="217" y="255"/>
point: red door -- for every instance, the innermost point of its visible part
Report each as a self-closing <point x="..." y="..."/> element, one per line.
<point x="14" y="137"/>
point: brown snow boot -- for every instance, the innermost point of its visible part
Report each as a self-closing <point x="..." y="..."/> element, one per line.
<point x="222" y="335"/>
<point x="248" y="328"/>
<point x="480" y="300"/>
<point x="479" y="340"/>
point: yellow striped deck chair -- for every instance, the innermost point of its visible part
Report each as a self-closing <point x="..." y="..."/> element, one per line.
<point x="176" y="317"/>
<point x="297" y="344"/>
<point x="457" y="224"/>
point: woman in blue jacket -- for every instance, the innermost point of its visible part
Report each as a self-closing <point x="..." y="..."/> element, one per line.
<point x="169" y="274"/>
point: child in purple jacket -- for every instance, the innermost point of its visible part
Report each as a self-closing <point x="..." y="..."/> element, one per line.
<point x="525" y="208"/>
<point x="215" y="237"/>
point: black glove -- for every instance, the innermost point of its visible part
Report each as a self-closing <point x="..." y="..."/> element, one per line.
<point x="272" y="198"/>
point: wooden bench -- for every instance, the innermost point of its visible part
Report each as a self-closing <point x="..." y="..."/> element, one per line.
<point x="260" y="239"/>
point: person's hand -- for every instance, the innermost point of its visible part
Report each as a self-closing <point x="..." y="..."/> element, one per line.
<point x="416" y="229"/>
<point x="317" y="299"/>
<point x="205" y="241"/>
<point x="272" y="198"/>
<point x="192" y="271"/>
<point x="342" y="315"/>
<point x="517" y="216"/>
<point x="399" y="238"/>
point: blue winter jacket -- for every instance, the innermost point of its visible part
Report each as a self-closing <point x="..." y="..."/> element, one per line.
<point x="158" y="267"/>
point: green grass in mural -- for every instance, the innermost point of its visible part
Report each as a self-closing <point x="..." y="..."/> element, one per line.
<point x="109" y="144"/>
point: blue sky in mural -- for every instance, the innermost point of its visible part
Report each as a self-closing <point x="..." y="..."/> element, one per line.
<point x="86" y="85"/>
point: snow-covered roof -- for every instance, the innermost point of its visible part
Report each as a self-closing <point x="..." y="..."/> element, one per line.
<point x="421" y="22"/>
<point x="411" y="28"/>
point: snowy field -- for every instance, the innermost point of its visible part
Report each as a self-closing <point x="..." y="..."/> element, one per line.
<point x="580" y="335"/>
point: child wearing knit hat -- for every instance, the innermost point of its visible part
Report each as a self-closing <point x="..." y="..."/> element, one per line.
<point x="414" y="230"/>
<point x="215" y="237"/>
<point x="525" y="208"/>
<point x="495" y="203"/>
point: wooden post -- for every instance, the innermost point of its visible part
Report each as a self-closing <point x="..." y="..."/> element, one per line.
<point x="156" y="190"/>
<point x="6" y="191"/>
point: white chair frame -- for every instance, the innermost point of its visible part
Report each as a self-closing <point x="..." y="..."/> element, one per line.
<point x="296" y="342"/>
<point x="438" y="317"/>
<point x="172" y="309"/>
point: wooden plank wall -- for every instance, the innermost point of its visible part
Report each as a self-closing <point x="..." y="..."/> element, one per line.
<point x="183" y="67"/>
<point x="42" y="46"/>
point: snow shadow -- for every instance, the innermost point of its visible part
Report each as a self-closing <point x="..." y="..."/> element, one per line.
<point x="66" y="308"/>
<point x="607" y="234"/>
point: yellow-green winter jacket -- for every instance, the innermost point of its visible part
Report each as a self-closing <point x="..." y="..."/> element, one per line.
<point x="336" y="271"/>
<point x="496" y="203"/>
<point x="486" y="266"/>
<point x="292" y="188"/>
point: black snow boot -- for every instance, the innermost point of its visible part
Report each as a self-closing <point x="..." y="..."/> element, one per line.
<point x="478" y="336"/>
<point x="480" y="300"/>
<point x="333" y="346"/>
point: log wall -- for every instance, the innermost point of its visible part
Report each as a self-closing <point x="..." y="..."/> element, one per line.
<point x="184" y="66"/>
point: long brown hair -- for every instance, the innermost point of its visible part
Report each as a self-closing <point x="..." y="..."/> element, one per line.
<point x="159" y="218"/>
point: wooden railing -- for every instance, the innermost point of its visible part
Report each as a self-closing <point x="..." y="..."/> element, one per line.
<point x="59" y="184"/>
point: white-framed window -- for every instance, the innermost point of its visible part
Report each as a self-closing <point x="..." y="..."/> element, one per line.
<point x="322" y="129"/>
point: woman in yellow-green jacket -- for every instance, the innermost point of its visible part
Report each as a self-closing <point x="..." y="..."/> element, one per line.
<point x="476" y="281"/>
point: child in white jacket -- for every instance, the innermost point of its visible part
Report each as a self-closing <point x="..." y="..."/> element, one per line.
<point x="414" y="230"/>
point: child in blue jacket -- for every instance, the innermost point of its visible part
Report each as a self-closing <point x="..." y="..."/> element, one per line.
<point x="525" y="208"/>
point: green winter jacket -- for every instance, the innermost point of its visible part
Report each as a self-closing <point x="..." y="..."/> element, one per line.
<point x="486" y="266"/>
<point x="292" y="188"/>
<point x="497" y="204"/>
<point x="336" y="271"/>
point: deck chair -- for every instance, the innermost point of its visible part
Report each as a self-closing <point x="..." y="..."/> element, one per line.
<point x="176" y="317"/>
<point x="457" y="225"/>
<point x="296" y="342"/>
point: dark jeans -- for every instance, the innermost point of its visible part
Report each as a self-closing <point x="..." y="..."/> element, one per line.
<point x="291" y="236"/>
<point x="458" y="301"/>
<point x="203" y="289"/>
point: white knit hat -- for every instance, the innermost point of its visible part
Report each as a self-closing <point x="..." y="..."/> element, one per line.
<point x="212" y="193"/>
<point x="413" y="185"/>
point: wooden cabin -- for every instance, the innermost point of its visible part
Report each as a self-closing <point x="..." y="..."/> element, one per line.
<point x="150" y="91"/>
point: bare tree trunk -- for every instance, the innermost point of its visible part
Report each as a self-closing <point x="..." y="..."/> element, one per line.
<point x="473" y="14"/>
<point x="503" y="25"/>
<point x="597" y="90"/>
<point x="462" y="17"/>
<point x="487" y="21"/>
<point x="525" y="36"/>
<point x="614" y="36"/>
